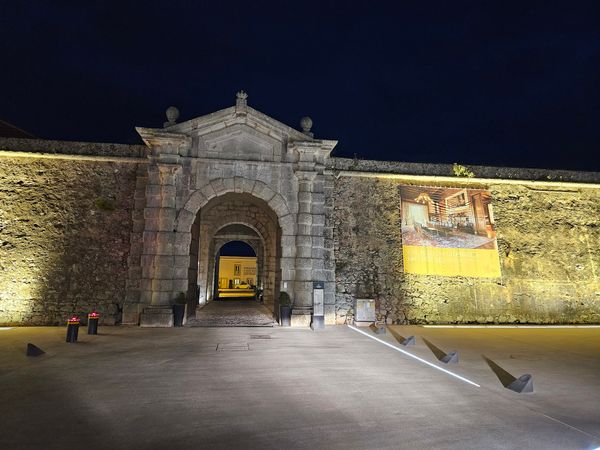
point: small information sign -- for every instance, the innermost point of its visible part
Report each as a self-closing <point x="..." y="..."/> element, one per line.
<point x="365" y="310"/>
<point x="318" y="298"/>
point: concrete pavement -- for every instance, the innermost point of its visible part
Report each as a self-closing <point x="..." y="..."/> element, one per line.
<point x="290" y="388"/>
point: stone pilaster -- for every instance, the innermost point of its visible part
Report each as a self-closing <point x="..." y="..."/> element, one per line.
<point x="165" y="255"/>
<point x="310" y="237"/>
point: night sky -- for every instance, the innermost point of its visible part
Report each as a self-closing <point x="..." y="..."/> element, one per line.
<point x="495" y="83"/>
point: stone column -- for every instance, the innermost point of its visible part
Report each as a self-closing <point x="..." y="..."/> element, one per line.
<point x="304" y="241"/>
<point x="310" y="237"/>
<point x="165" y="255"/>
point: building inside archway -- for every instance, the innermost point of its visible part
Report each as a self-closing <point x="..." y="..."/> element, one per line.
<point x="235" y="271"/>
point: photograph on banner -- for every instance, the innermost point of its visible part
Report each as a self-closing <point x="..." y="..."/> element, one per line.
<point x="448" y="231"/>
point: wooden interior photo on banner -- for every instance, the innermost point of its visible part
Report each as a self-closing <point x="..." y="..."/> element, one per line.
<point x="448" y="231"/>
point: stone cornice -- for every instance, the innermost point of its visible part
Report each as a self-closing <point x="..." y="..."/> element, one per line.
<point x="366" y="167"/>
<point x="156" y="137"/>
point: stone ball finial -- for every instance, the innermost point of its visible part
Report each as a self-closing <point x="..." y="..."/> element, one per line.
<point x="172" y="115"/>
<point x="306" y="123"/>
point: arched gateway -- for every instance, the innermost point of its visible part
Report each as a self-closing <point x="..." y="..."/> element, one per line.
<point x="234" y="167"/>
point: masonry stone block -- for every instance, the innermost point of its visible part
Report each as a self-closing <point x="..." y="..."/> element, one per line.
<point x="318" y="241"/>
<point x="304" y="252"/>
<point x="153" y="201"/>
<point x="146" y="284"/>
<point x="305" y="219"/>
<point x="262" y="191"/>
<point x="288" y="251"/>
<point x="317" y="273"/>
<point x="315" y="252"/>
<point x="329" y="275"/>
<point x="184" y="222"/>
<point x="303" y="240"/>
<point x="304" y="274"/>
<point x="163" y="260"/>
<point x="304" y="229"/>
<point x="229" y="184"/>
<point x="237" y="184"/>
<point x="217" y="185"/>
<point x="146" y="296"/>
<point x="131" y="313"/>
<point x="194" y="202"/>
<point x="163" y="272"/>
<point x="181" y="261"/>
<point x="147" y="271"/>
<point x="318" y="219"/>
<point x="180" y="285"/>
<point x="183" y="238"/>
<point x="207" y="191"/>
<point x="157" y="318"/>
<point x="152" y="213"/>
<point x="147" y="260"/>
<point x="247" y="185"/>
<point x="318" y="198"/>
<point x="153" y="190"/>
<point x="288" y="241"/>
<point x="162" y="285"/>
<point x="281" y="209"/>
<point x="153" y="176"/>
<point x="182" y="272"/>
<point x="288" y="224"/>
<point x="304" y="197"/>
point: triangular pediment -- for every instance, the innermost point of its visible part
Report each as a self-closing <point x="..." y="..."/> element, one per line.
<point x="235" y="115"/>
<point x="239" y="132"/>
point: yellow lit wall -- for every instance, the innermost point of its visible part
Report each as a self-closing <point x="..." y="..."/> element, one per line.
<point x="234" y="270"/>
<point x="65" y="227"/>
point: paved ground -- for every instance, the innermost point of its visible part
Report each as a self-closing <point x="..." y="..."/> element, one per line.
<point x="288" y="388"/>
<point x="232" y="312"/>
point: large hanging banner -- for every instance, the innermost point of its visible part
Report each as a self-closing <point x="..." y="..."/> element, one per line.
<point x="448" y="231"/>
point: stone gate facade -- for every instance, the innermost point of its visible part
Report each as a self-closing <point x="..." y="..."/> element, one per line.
<point x="233" y="167"/>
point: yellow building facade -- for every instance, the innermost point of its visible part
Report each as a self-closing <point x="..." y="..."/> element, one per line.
<point x="237" y="272"/>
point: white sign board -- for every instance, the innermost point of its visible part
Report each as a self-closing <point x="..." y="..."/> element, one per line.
<point x="318" y="298"/>
<point x="365" y="310"/>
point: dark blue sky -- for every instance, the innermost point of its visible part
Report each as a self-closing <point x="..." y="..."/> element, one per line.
<point x="496" y="83"/>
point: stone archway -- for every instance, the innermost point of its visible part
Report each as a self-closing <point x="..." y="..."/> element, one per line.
<point x="226" y="211"/>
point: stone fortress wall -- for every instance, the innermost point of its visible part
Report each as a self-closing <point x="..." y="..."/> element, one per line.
<point x="548" y="235"/>
<point x="71" y="213"/>
<point x="66" y="221"/>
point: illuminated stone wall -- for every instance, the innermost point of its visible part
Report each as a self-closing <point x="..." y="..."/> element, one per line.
<point x="72" y="224"/>
<point x="65" y="227"/>
<point x="549" y="246"/>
